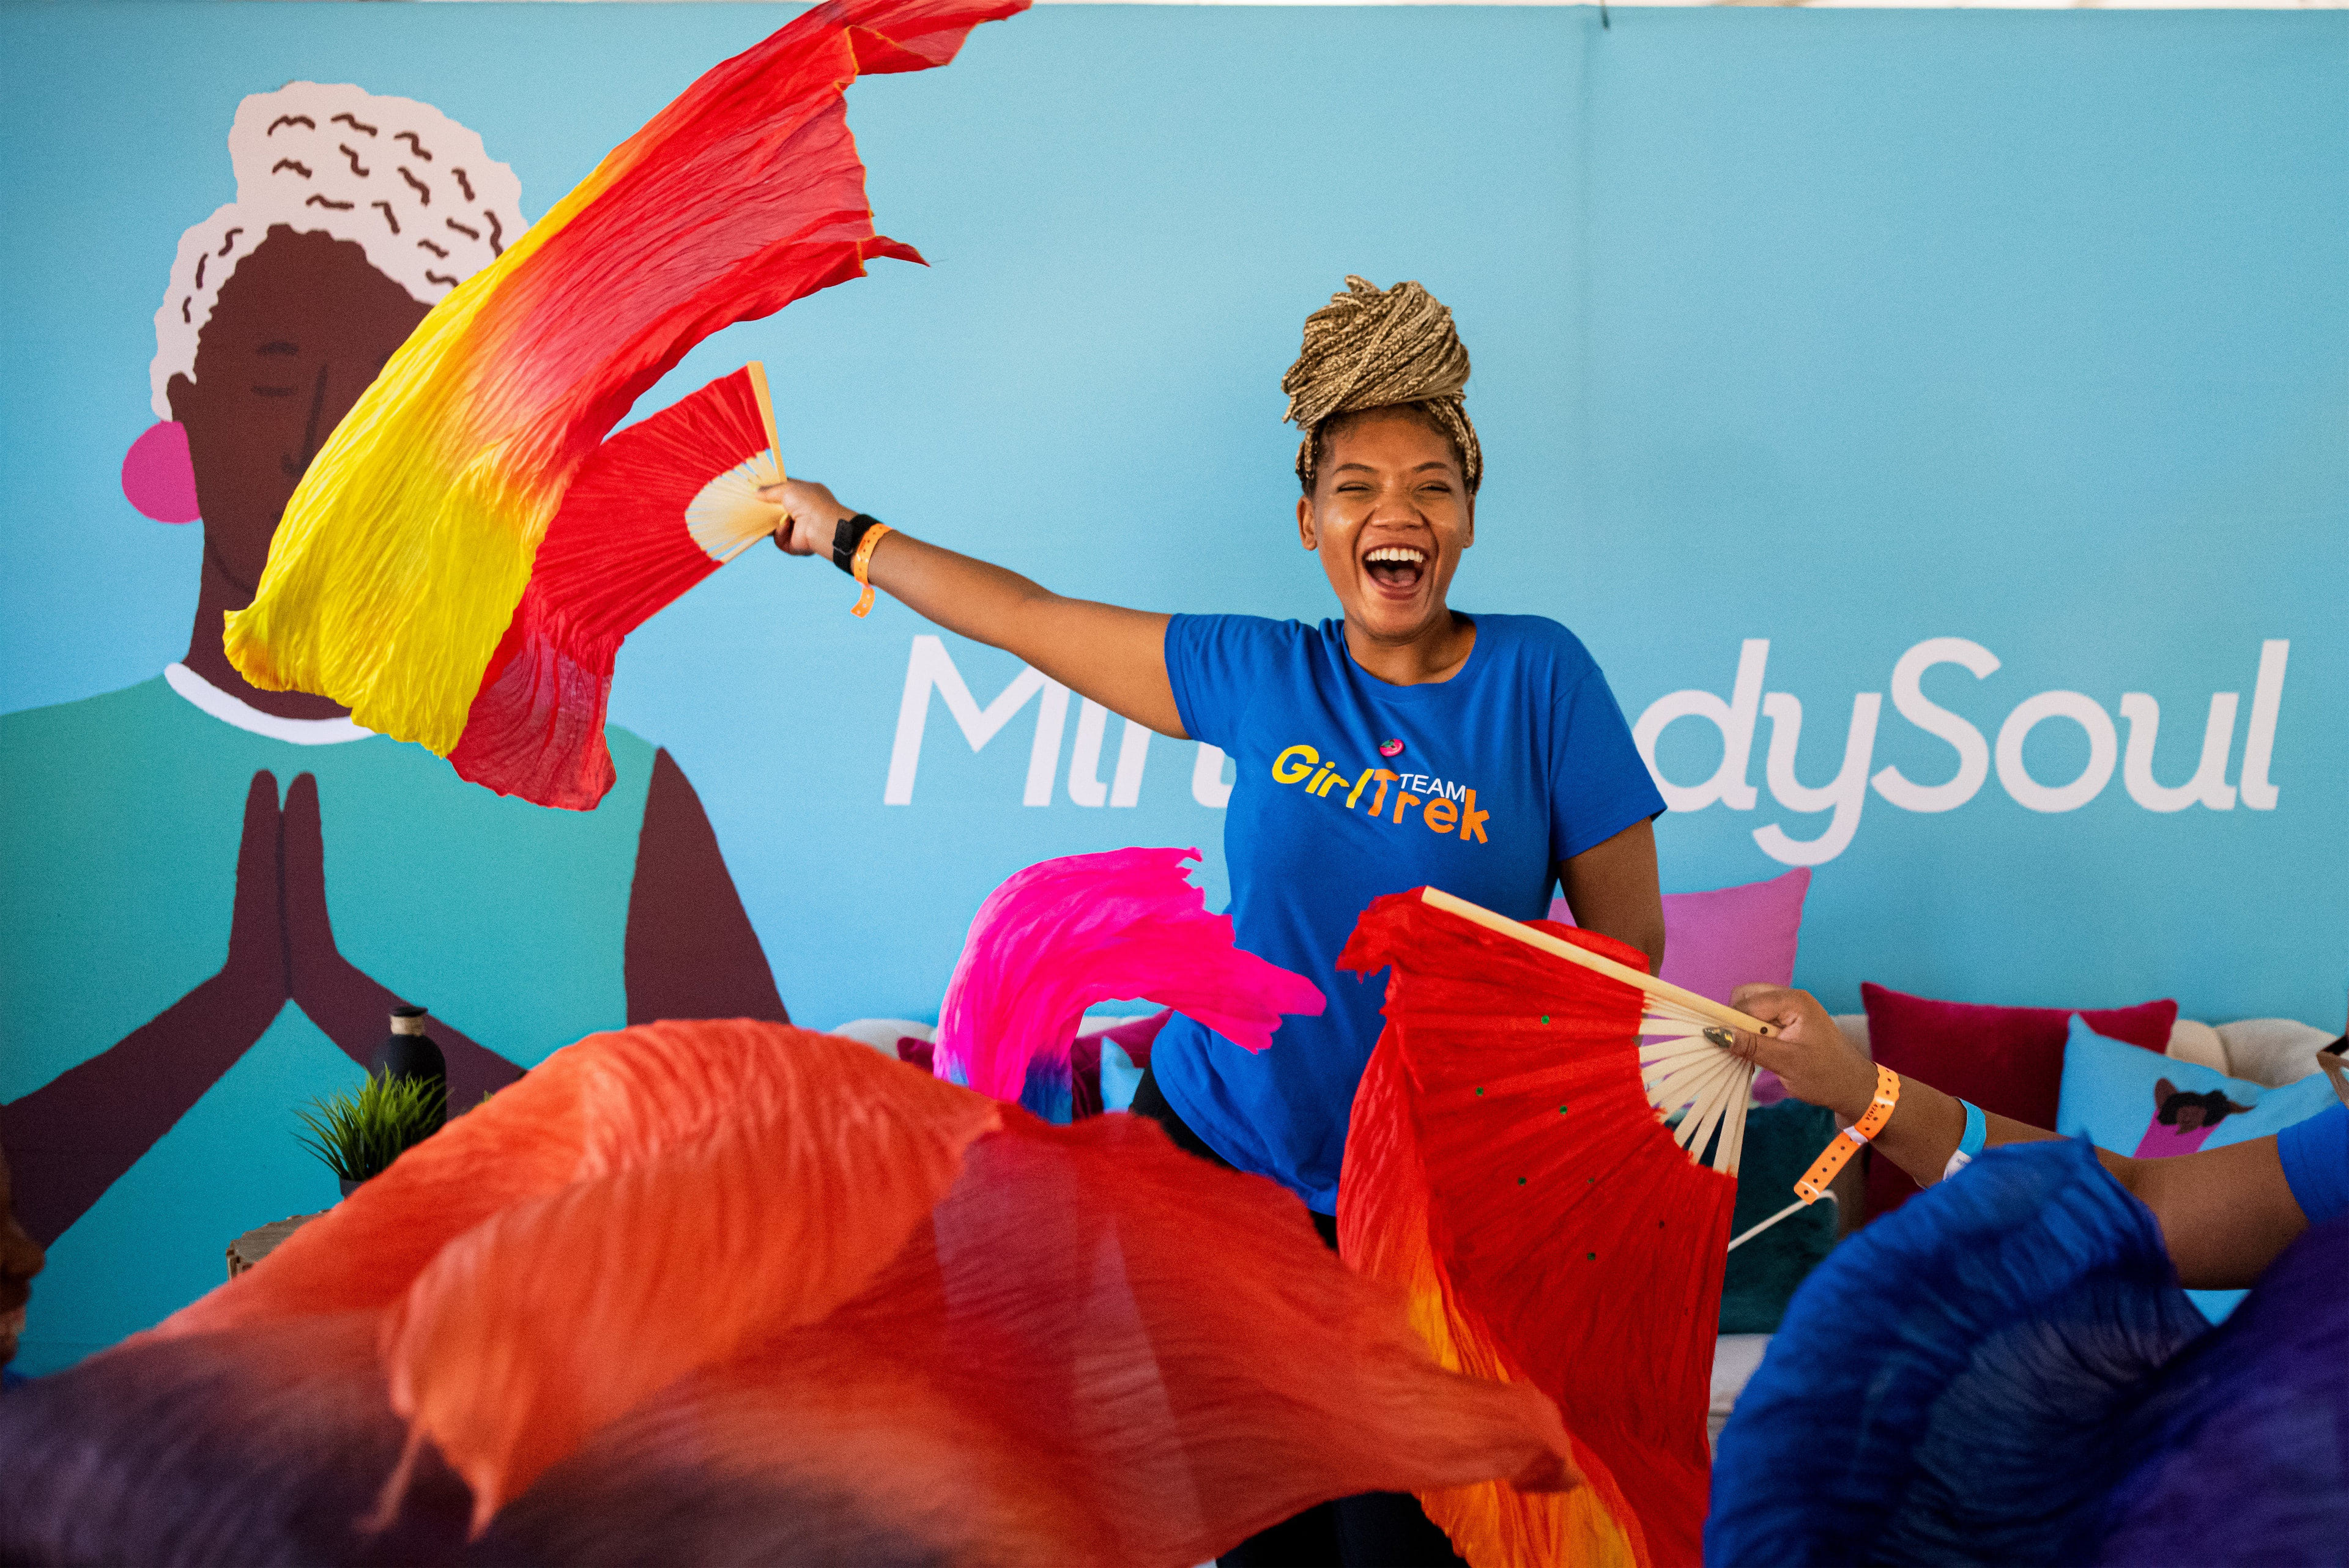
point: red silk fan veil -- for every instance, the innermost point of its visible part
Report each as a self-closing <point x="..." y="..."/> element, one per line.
<point x="660" y="506"/>
<point x="433" y="570"/>
<point x="1506" y="1167"/>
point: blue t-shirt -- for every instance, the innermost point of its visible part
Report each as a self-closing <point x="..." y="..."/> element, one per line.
<point x="2315" y="1155"/>
<point x="1520" y="760"/>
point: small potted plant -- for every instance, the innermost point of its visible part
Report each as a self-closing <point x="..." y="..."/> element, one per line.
<point x="360" y="1131"/>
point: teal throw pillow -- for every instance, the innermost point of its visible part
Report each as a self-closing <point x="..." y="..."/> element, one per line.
<point x="1781" y="1142"/>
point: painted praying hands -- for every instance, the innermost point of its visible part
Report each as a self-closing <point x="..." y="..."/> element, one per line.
<point x="281" y="948"/>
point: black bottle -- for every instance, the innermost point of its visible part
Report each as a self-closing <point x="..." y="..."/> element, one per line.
<point x="409" y="1053"/>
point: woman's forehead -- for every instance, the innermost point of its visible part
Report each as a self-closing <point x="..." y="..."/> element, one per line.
<point x="1388" y="437"/>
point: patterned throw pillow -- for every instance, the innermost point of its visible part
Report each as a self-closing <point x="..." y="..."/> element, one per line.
<point x="2150" y="1108"/>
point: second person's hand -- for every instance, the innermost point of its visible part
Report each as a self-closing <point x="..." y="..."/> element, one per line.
<point x="810" y="512"/>
<point x="1819" y="1066"/>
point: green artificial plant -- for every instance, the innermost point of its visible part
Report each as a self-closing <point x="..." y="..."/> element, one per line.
<point x="359" y="1132"/>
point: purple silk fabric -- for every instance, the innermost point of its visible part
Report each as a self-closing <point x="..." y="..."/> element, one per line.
<point x="2246" y="1436"/>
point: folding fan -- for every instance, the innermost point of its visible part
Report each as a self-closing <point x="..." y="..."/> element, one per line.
<point x="660" y="506"/>
<point x="396" y="574"/>
<point x="1509" y="1166"/>
<point x="1687" y="1070"/>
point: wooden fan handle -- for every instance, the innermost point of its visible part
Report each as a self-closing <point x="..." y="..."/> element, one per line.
<point x="1663" y="990"/>
<point x="758" y="372"/>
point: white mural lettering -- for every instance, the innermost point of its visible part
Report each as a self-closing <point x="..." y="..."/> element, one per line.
<point x="1845" y="796"/>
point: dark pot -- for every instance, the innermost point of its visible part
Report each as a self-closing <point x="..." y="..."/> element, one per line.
<point x="350" y="1186"/>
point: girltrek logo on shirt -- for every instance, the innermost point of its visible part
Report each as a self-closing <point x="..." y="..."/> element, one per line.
<point x="1444" y="807"/>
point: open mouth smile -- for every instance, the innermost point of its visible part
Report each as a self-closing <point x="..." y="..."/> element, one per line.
<point x="1396" y="566"/>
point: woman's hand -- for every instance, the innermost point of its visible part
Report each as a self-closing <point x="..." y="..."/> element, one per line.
<point x="1809" y="1052"/>
<point x="810" y="512"/>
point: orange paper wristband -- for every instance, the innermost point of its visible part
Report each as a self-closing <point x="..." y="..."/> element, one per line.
<point x="1852" y="1138"/>
<point x="860" y="564"/>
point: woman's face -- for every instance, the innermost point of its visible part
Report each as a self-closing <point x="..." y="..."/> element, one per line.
<point x="301" y="328"/>
<point x="1389" y="515"/>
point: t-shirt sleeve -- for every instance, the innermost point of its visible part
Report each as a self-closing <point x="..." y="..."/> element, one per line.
<point x="1598" y="786"/>
<point x="1212" y="663"/>
<point x="2315" y="1155"/>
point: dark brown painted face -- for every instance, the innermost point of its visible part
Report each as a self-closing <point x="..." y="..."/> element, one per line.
<point x="301" y="328"/>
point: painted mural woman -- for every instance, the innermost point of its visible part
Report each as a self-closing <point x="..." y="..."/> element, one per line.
<point x="182" y="859"/>
<point x="1404" y="743"/>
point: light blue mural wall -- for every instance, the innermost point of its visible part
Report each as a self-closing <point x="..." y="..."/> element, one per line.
<point x="1840" y="331"/>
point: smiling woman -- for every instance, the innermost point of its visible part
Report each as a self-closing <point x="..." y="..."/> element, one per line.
<point x="1404" y="744"/>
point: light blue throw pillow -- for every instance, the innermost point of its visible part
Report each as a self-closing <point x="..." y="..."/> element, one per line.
<point x="2126" y="1099"/>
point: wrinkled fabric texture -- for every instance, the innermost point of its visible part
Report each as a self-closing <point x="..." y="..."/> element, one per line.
<point x="406" y="550"/>
<point x="252" y="1446"/>
<point x="618" y="551"/>
<point x="1065" y="933"/>
<point x="1505" y="1168"/>
<point x="735" y="1292"/>
<point x="1959" y="1382"/>
<point x="2241" y="1451"/>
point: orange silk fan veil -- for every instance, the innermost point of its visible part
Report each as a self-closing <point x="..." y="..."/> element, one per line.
<point x="403" y="580"/>
<point x="731" y="1290"/>
<point x="1507" y="1167"/>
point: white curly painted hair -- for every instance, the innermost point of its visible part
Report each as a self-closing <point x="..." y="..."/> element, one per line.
<point x="410" y="186"/>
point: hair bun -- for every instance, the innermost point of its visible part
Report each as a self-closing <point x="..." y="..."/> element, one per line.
<point x="1372" y="348"/>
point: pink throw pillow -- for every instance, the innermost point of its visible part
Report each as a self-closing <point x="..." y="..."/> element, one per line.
<point x="2007" y="1060"/>
<point x="1719" y="940"/>
<point x="1716" y="941"/>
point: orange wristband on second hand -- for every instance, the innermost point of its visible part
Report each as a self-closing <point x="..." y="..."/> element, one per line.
<point x="1852" y="1138"/>
<point x="860" y="566"/>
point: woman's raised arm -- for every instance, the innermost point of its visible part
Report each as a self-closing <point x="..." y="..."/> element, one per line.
<point x="1115" y="656"/>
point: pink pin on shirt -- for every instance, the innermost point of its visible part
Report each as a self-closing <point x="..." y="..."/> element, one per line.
<point x="1391" y="748"/>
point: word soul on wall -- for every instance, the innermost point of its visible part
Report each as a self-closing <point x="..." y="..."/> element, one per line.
<point x="2209" y="785"/>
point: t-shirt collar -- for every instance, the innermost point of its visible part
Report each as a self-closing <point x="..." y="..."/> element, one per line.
<point x="1334" y="629"/>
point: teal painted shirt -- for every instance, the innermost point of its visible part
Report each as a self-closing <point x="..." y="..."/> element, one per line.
<point x="119" y="822"/>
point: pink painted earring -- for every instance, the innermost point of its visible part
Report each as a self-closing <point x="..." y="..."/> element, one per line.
<point x="158" y="476"/>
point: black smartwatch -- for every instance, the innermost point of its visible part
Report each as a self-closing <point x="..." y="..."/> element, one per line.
<point x="847" y="534"/>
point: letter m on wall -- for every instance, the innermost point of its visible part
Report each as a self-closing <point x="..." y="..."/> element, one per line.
<point x="929" y="668"/>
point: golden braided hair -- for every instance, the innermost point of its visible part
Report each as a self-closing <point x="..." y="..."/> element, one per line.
<point x="1374" y="348"/>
